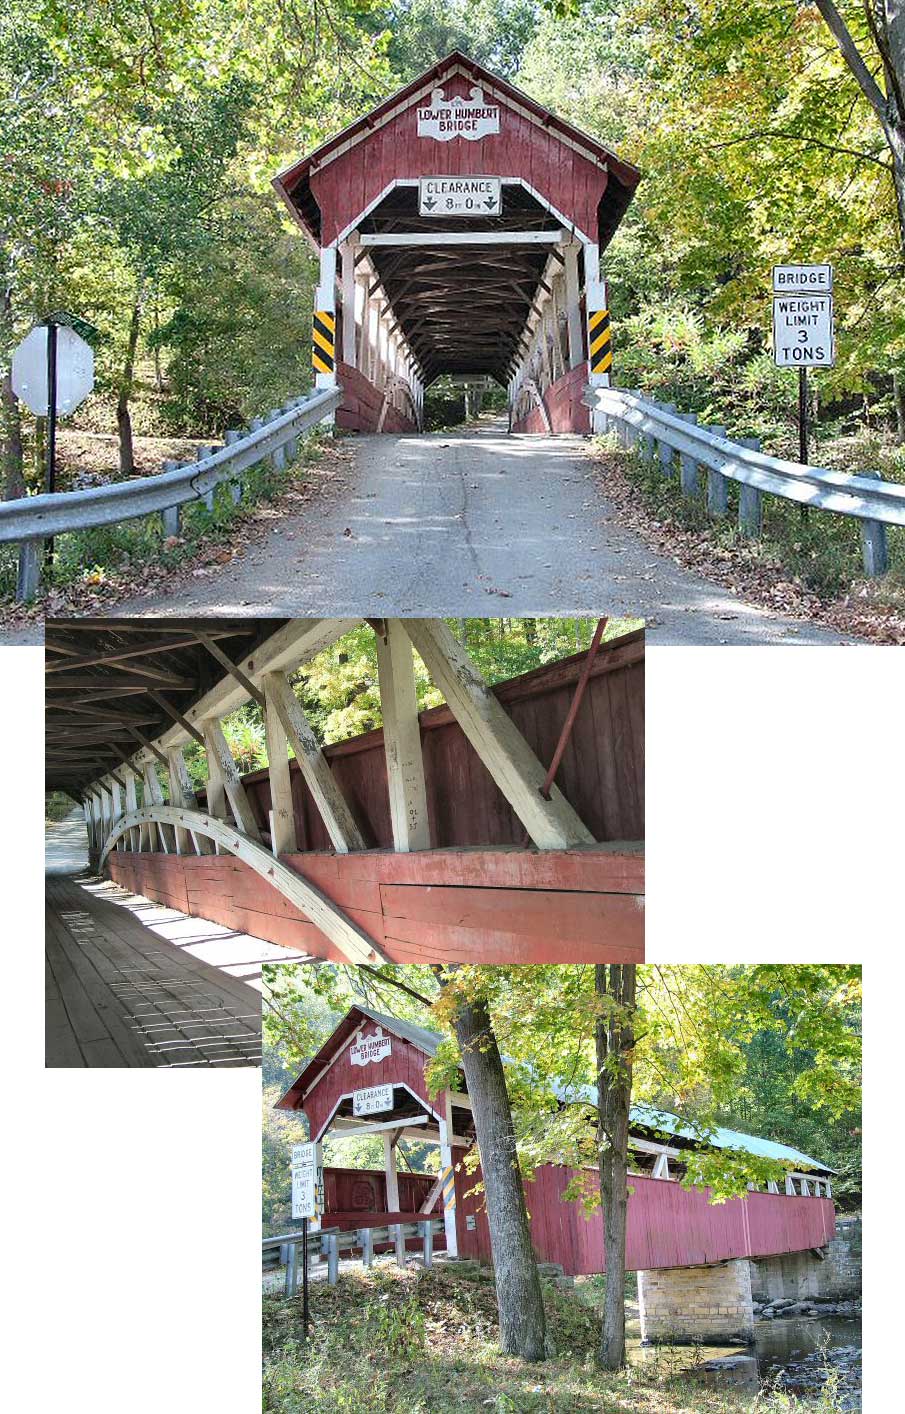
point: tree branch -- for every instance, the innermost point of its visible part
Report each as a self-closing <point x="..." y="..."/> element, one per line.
<point x="852" y="56"/>
<point x="810" y="141"/>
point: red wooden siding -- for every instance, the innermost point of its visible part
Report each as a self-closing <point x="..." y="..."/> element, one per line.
<point x="353" y="1196"/>
<point x="602" y="771"/>
<point x="484" y="906"/>
<point x="347" y="184"/>
<point x="361" y="405"/>
<point x="563" y="401"/>
<point x="404" y="1066"/>
<point x="668" y="1226"/>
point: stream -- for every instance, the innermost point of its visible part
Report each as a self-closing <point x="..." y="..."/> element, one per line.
<point x="796" y="1355"/>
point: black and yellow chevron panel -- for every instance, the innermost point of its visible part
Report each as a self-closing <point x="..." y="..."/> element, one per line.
<point x="600" y="341"/>
<point x="323" y="341"/>
<point x="448" y="1184"/>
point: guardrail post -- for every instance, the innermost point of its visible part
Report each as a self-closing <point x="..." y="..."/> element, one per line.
<point x="717" y="484"/>
<point x="399" y="1241"/>
<point x="750" y="499"/>
<point x="427" y="1233"/>
<point x="873" y="541"/>
<point x="292" y="1266"/>
<point x="333" y="1258"/>
<point x="366" y="1241"/>
<point x="170" y="515"/>
<point x="235" y="487"/>
<point x="254" y="426"/>
<point x="28" y="578"/>
<point x="688" y="466"/>
<point x="208" y="496"/>
<point x="664" y="450"/>
<point x="292" y="446"/>
<point x="278" y="455"/>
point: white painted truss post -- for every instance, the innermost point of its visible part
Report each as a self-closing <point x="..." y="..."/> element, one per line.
<point x="282" y="814"/>
<point x="551" y="824"/>
<point x="131" y="807"/>
<point x="448" y="1176"/>
<point x="402" y="739"/>
<point x="218" y="752"/>
<point x="182" y="793"/>
<point x="573" y="304"/>
<point x="325" y="298"/>
<point x="595" y="300"/>
<point x="389" y="1157"/>
<point x="329" y="799"/>
<point x="347" y="251"/>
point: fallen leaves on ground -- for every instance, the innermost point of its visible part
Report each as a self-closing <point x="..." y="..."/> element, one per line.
<point x="747" y="570"/>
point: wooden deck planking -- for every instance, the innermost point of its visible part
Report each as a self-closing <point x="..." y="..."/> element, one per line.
<point x="120" y="995"/>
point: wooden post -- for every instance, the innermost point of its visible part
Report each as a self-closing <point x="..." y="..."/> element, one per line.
<point x="282" y="814"/>
<point x="402" y="739"/>
<point x="325" y="299"/>
<point x="182" y="793"/>
<point x="427" y="1236"/>
<point x="366" y="1241"/>
<point x="332" y="1258"/>
<point x="292" y="1261"/>
<point x="313" y="765"/>
<point x="154" y="796"/>
<point x="551" y="824"/>
<point x="219" y="754"/>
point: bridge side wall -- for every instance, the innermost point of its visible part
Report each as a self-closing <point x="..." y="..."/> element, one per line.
<point x="690" y="1305"/>
<point x="362" y="403"/>
<point x="565" y="409"/>
<point x="668" y="1226"/>
<point x="483" y="906"/>
<point x="798" y="1276"/>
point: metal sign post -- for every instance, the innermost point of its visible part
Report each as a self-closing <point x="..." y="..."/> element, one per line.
<point x="51" y="471"/>
<point x="803" y="330"/>
<point x="305" y="1312"/>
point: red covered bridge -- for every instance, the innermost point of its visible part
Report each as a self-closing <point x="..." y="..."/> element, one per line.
<point x="459" y="227"/>
<point x="670" y="1228"/>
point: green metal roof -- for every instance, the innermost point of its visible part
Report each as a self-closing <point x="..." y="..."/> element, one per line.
<point x="642" y="1116"/>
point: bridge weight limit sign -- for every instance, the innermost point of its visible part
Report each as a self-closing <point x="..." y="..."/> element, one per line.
<point x="307" y="1204"/>
<point x="803" y="329"/>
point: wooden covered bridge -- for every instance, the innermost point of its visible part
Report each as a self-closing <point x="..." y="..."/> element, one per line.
<point x="459" y="227"/>
<point x="506" y="825"/>
<point x="692" y="1255"/>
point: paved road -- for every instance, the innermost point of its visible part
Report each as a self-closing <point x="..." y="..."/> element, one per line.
<point x="475" y="523"/>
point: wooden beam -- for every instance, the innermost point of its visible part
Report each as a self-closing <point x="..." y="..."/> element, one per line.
<point x="218" y="750"/>
<point x="329" y="799"/>
<point x="551" y="824"/>
<point x="455" y="238"/>
<point x="149" y="745"/>
<point x="402" y="739"/>
<point x="171" y="711"/>
<point x="282" y="812"/>
<point x="232" y="668"/>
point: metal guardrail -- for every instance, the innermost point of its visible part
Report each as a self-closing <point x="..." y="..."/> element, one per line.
<point x="283" y="1250"/>
<point x="663" y="433"/>
<point x="33" y="519"/>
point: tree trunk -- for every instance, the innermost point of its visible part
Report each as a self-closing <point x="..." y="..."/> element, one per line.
<point x="123" y="418"/>
<point x="518" y="1290"/>
<point x="898" y="397"/>
<point x="13" y="463"/>
<point x="615" y="1034"/>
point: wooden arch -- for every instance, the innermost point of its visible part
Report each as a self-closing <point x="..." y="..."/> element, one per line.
<point x="353" y="942"/>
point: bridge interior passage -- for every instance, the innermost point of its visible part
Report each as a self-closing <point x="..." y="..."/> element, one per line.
<point x="463" y="308"/>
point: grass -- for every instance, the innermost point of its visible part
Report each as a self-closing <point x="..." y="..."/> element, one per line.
<point x="819" y="548"/>
<point x="416" y="1342"/>
<point x="94" y="557"/>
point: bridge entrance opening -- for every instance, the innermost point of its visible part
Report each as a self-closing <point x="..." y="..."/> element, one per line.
<point x="459" y="227"/>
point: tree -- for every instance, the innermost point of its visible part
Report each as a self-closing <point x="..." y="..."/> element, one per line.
<point x="615" y="1037"/>
<point x="885" y="20"/>
<point x="519" y="1298"/>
